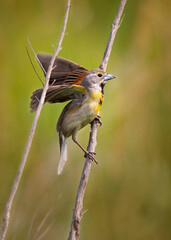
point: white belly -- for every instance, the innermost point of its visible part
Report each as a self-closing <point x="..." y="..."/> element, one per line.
<point x="75" y="120"/>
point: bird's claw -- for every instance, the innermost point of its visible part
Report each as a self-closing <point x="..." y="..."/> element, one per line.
<point x="90" y="155"/>
<point x="97" y="118"/>
<point x="93" y="153"/>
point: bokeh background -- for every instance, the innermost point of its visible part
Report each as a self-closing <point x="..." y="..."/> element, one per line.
<point x="129" y="193"/>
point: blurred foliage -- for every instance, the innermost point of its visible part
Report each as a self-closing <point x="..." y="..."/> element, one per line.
<point x="129" y="193"/>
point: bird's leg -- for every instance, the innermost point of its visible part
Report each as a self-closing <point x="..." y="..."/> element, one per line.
<point x="89" y="154"/>
<point x="98" y="119"/>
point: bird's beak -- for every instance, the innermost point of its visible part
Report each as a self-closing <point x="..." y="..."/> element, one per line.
<point x="108" y="77"/>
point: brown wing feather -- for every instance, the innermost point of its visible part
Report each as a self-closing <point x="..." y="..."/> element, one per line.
<point x="56" y="94"/>
<point x="64" y="75"/>
<point x="65" y="71"/>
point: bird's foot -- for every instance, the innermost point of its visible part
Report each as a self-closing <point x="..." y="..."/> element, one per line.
<point x="90" y="155"/>
<point x="97" y="118"/>
<point x="93" y="153"/>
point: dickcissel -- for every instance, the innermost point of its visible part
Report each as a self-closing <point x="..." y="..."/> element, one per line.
<point x="84" y="89"/>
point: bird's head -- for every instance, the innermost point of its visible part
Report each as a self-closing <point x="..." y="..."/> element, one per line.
<point x="96" y="79"/>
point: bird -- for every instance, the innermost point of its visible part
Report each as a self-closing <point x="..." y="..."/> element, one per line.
<point x="85" y="91"/>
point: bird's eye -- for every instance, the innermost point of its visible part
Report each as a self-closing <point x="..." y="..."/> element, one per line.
<point x="99" y="75"/>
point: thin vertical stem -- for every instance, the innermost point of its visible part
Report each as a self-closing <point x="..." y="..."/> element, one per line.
<point x="7" y="211"/>
<point x="78" y="209"/>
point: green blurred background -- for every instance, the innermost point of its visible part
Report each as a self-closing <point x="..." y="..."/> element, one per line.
<point x="129" y="193"/>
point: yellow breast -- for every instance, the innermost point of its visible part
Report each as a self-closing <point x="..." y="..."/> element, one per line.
<point x="96" y="99"/>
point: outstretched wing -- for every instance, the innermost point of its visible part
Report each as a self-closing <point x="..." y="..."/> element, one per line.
<point x="64" y="72"/>
<point x="64" y="84"/>
<point x="56" y="94"/>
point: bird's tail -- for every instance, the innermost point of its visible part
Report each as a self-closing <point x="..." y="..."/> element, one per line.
<point x="63" y="152"/>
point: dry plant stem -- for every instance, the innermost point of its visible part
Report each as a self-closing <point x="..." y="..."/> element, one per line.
<point x="115" y="25"/>
<point x="78" y="209"/>
<point x="6" y="215"/>
<point x="33" y="66"/>
<point x="77" y="213"/>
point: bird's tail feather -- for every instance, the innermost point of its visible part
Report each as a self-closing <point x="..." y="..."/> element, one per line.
<point x="63" y="152"/>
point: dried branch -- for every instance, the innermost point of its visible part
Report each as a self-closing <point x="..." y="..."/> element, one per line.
<point x="6" y="215"/>
<point x="78" y="209"/>
<point x="116" y="24"/>
<point x="34" y="67"/>
<point x="40" y="64"/>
